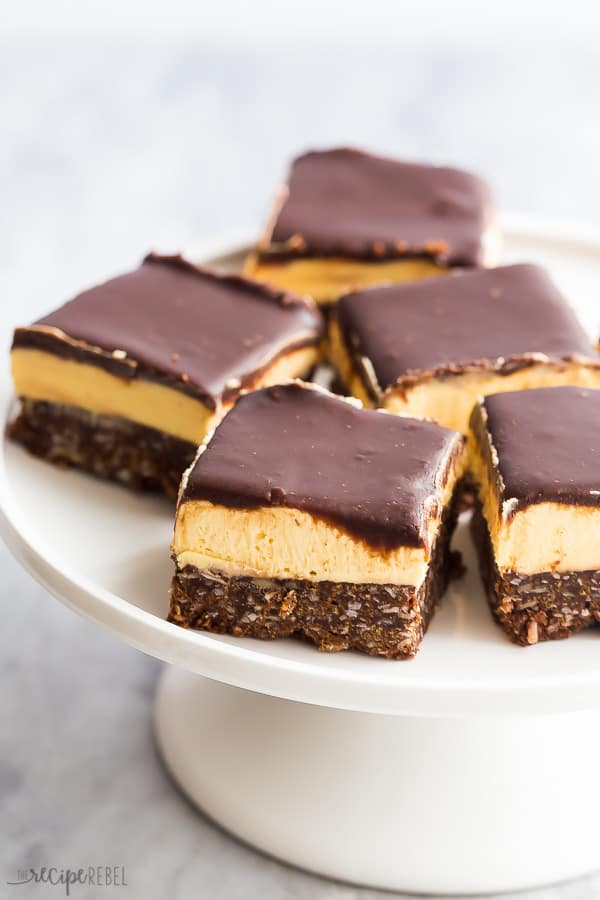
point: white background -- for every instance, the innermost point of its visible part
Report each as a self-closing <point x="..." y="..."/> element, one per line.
<point x="231" y="21"/>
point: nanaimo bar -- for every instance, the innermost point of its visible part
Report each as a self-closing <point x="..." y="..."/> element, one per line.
<point x="307" y="515"/>
<point x="432" y="348"/>
<point x="347" y="219"/>
<point x="126" y="379"/>
<point x="537" y="519"/>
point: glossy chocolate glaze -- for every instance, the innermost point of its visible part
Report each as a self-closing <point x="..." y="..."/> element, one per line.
<point x="352" y="204"/>
<point x="492" y="319"/>
<point x="376" y="475"/>
<point x="547" y="443"/>
<point x="200" y="332"/>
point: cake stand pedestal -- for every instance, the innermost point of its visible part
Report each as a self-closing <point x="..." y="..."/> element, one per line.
<point x="420" y="804"/>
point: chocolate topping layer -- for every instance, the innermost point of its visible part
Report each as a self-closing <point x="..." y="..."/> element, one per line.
<point x="548" y="445"/>
<point x="203" y="333"/>
<point x="348" y="203"/>
<point x="376" y="475"/>
<point x="487" y="319"/>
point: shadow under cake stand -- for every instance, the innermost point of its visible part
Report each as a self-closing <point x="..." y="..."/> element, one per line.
<point x="471" y="768"/>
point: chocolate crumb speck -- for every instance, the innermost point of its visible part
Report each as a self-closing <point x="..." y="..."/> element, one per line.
<point x="437" y="248"/>
<point x="297" y="242"/>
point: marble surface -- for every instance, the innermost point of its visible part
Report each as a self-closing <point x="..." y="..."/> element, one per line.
<point x="109" y="148"/>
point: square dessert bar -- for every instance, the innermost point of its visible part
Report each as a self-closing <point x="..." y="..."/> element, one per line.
<point x="307" y="515"/>
<point x="537" y="520"/>
<point x="347" y="219"/>
<point x="126" y="379"/>
<point x="432" y="348"/>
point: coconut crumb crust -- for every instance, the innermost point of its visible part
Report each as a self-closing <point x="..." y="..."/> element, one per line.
<point x="545" y="606"/>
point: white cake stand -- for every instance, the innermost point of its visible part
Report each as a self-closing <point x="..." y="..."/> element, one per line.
<point x="472" y="768"/>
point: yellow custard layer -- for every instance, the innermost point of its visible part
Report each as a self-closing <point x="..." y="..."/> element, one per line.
<point x="39" y="375"/>
<point x="450" y="399"/>
<point x="326" y="279"/>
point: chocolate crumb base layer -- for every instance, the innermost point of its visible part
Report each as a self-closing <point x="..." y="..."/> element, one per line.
<point x="141" y="458"/>
<point x="379" y="619"/>
<point x="545" y="606"/>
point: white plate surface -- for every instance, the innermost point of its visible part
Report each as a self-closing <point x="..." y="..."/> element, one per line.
<point x="104" y="552"/>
